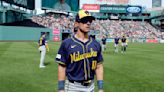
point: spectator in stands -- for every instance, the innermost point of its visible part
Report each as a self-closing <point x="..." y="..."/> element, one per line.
<point x="62" y="5"/>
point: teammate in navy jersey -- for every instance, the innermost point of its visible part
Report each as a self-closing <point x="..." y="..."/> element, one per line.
<point x="123" y="48"/>
<point x="116" y="43"/>
<point x="79" y="59"/>
<point x="43" y="46"/>
<point x="103" y="43"/>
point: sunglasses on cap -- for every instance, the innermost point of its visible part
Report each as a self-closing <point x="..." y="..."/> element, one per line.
<point x="85" y="20"/>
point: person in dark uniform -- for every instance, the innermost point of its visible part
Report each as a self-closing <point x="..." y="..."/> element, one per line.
<point x="103" y="43"/>
<point x="116" y="43"/>
<point x="43" y="46"/>
<point x="79" y="59"/>
<point x="123" y="48"/>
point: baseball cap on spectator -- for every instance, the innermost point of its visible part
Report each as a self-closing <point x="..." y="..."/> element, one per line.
<point x="84" y="16"/>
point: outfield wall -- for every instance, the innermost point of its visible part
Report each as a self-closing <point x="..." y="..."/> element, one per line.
<point x="13" y="33"/>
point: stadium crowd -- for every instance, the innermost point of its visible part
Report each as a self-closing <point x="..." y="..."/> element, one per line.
<point x="131" y="29"/>
<point x="54" y="21"/>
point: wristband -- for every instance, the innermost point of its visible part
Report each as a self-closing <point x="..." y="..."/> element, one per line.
<point x="61" y="85"/>
<point x="100" y="84"/>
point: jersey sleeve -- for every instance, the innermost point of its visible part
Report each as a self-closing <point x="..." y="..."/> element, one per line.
<point x="61" y="56"/>
<point x="40" y="41"/>
<point x="99" y="55"/>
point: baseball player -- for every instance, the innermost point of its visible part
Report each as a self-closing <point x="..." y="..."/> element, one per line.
<point x="123" y="48"/>
<point x="79" y="59"/>
<point x="43" y="46"/>
<point x="116" y="42"/>
<point x="103" y="43"/>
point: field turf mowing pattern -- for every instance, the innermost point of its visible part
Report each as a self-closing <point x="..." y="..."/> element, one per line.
<point x="140" y="69"/>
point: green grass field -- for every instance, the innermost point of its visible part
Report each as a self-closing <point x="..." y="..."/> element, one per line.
<point x="140" y="69"/>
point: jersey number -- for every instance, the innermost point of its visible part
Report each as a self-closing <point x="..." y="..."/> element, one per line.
<point x="94" y="63"/>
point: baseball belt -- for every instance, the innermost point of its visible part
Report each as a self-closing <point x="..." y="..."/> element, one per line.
<point x="84" y="83"/>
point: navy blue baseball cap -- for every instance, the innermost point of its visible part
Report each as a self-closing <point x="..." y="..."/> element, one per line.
<point x="84" y="15"/>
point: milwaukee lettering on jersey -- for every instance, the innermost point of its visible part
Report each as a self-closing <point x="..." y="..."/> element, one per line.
<point x="76" y="56"/>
